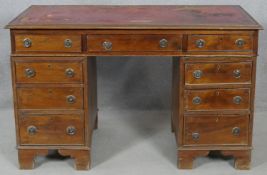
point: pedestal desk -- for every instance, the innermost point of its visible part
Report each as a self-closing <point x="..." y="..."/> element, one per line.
<point x="53" y="58"/>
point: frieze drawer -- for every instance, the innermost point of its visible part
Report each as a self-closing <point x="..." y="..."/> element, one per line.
<point x="134" y="43"/>
<point x="220" y="43"/>
<point x="47" y="43"/>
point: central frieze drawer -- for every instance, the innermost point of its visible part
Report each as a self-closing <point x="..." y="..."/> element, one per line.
<point x="47" y="43"/>
<point x="213" y="129"/>
<point x="50" y="98"/>
<point x="53" y="129"/>
<point x="217" y="99"/>
<point x="49" y="71"/>
<point x="127" y="43"/>
<point x="218" y="73"/>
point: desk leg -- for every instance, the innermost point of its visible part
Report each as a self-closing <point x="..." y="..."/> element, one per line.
<point x="187" y="157"/>
<point x="81" y="157"/>
<point x="27" y="156"/>
<point x="242" y="158"/>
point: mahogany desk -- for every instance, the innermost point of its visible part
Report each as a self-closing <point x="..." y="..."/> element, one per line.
<point x="53" y="59"/>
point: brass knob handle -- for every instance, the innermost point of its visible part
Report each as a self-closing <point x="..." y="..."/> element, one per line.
<point x="71" y="99"/>
<point x="69" y="72"/>
<point x="196" y="100"/>
<point x="163" y="43"/>
<point x="237" y="100"/>
<point x="237" y="73"/>
<point x="31" y="130"/>
<point x="195" y="136"/>
<point x="240" y="42"/>
<point x="197" y="74"/>
<point x="71" y="130"/>
<point x="68" y="43"/>
<point x="107" y="45"/>
<point x="200" y="43"/>
<point x="236" y="131"/>
<point x="29" y="72"/>
<point x="27" y="42"/>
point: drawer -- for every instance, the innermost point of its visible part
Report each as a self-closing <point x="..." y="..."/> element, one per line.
<point x="51" y="129"/>
<point x="47" y="43"/>
<point x="203" y="42"/>
<point x="99" y="43"/>
<point x="237" y="42"/>
<point x="220" y="43"/>
<point x="215" y="130"/>
<point x="49" y="71"/>
<point x="218" y="73"/>
<point x="50" y="98"/>
<point x="217" y="99"/>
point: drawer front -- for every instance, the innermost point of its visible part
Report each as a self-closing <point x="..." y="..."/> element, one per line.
<point x="100" y="43"/>
<point x="221" y="99"/>
<point x="51" y="129"/>
<point x="220" y="43"/>
<point x="238" y="42"/>
<point x="47" y="43"/>
<point x="50" y="98"/>
<point x="218" y="73"/>
<point x="214" y="130"/>
<point x="49" y="72"/>
<point x="203" y="42"/>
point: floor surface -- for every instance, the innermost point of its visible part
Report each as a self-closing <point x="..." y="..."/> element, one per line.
<point x="131" y="143"/>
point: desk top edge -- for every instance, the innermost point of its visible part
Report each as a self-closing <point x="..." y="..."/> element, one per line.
<point x="210" y="17"/>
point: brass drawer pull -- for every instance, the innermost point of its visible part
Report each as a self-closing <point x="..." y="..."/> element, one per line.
<point x="240" y="42"/>
<point x="197" y="74"/>
<point x="69" y="72"/>
<point x="27" y="42"/>
<point x="31" y="130"/>
<point x="195" y="136"/>
<point x="107" y="45"/>
<point x="71" y="99"/>
<point x="237" y="100"/>
<point x="236" y="131"/>
<point x="200" y="43"/>
<point x="237" y="73"/>
<point x="196" y="100"/>
<point x="163" y="43"/>
<point x="29" y="72"/>
<point x="68" y="43"/>
<point x="71" y="130"/>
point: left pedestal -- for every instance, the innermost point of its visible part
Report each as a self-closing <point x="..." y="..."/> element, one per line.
<point x="55" y="107"/>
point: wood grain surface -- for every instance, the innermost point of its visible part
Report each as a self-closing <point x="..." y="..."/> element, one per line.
<point x="52" y="129"/>
<point x="216" y="129"/>
<point x="218" y="73"/>
<point x="218" y="99"/>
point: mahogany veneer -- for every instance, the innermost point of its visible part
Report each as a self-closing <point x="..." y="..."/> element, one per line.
<point x="214" y="51"/>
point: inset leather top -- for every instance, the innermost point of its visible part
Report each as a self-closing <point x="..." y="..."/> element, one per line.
<point x="133" y="17"/>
